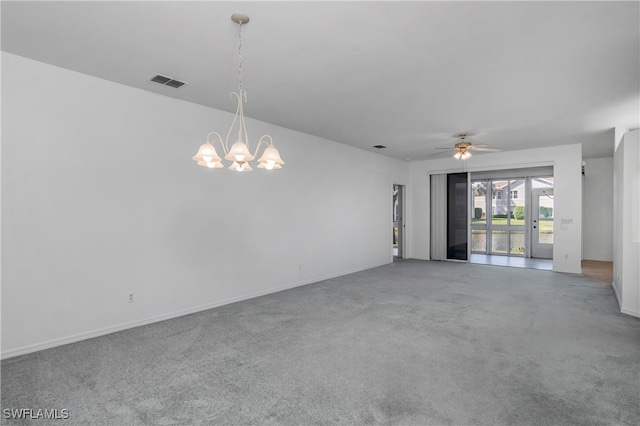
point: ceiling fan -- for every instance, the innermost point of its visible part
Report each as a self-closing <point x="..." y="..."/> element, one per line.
<point x="462" y="149"/>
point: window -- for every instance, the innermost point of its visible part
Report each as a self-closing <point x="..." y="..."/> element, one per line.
<point x="498" y="195"/>
<point x="514" y="195"/>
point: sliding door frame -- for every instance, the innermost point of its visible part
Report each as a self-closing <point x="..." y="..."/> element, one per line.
<point x="458" y="231"/>
<point x="528" y="174"/>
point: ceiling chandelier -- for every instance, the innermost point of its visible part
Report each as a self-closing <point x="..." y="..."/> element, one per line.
<point x="239" y="153"/>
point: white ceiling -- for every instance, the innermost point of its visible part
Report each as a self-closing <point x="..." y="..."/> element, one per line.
<point x="408" y="75"/>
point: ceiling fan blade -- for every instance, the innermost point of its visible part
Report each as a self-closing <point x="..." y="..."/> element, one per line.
<point x="450" y="149"/>
<point x="438" y="153"/>
<point x="476" y="148"/>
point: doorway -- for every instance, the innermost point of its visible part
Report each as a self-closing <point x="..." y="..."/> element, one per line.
<point x="398" y="226"/>
<point x="542" y="223"/>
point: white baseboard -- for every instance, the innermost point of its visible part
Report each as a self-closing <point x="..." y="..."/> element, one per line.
<point x="567" y="271"/>
<point x="622" y="308"/>
<point x="615" y="291"/>
<point x="113" y="329"/>
<point x="630" y="312"/>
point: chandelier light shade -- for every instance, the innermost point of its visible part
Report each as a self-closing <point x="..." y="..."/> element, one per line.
<point x="270" y="159"/>
<point x="239" y="153"/>
<point x="208" y="157"/>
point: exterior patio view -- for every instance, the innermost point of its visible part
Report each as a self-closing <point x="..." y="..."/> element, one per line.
<point x="507" y="222"/>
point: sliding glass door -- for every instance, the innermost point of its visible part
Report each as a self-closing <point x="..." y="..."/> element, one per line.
<point x="457" y="216"/>
<point x="479" y="215"/>
<point x="498" y="216"/>
<point x="450" y="216"/>
<point x="508" y="217"/>
<point x="511" y="215"/>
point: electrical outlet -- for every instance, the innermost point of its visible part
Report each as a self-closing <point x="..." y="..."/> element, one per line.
<point x="132" y="297"/>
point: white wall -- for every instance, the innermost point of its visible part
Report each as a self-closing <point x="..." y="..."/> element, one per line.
<point x="567" y="162"/>
<point x="100" y="198"/>
<point x="597" y="209"/>
<point x="626" y="241"/>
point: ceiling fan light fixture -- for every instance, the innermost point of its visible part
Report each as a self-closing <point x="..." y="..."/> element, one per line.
<point x="462" y="155"/>
<point x="463" y="148"/>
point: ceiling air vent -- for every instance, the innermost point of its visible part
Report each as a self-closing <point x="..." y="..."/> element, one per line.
<point x="379" y="146"/>
<point x="167" y="81"/>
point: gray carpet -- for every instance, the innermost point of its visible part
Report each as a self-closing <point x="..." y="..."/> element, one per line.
<point x="409" y="343"/>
